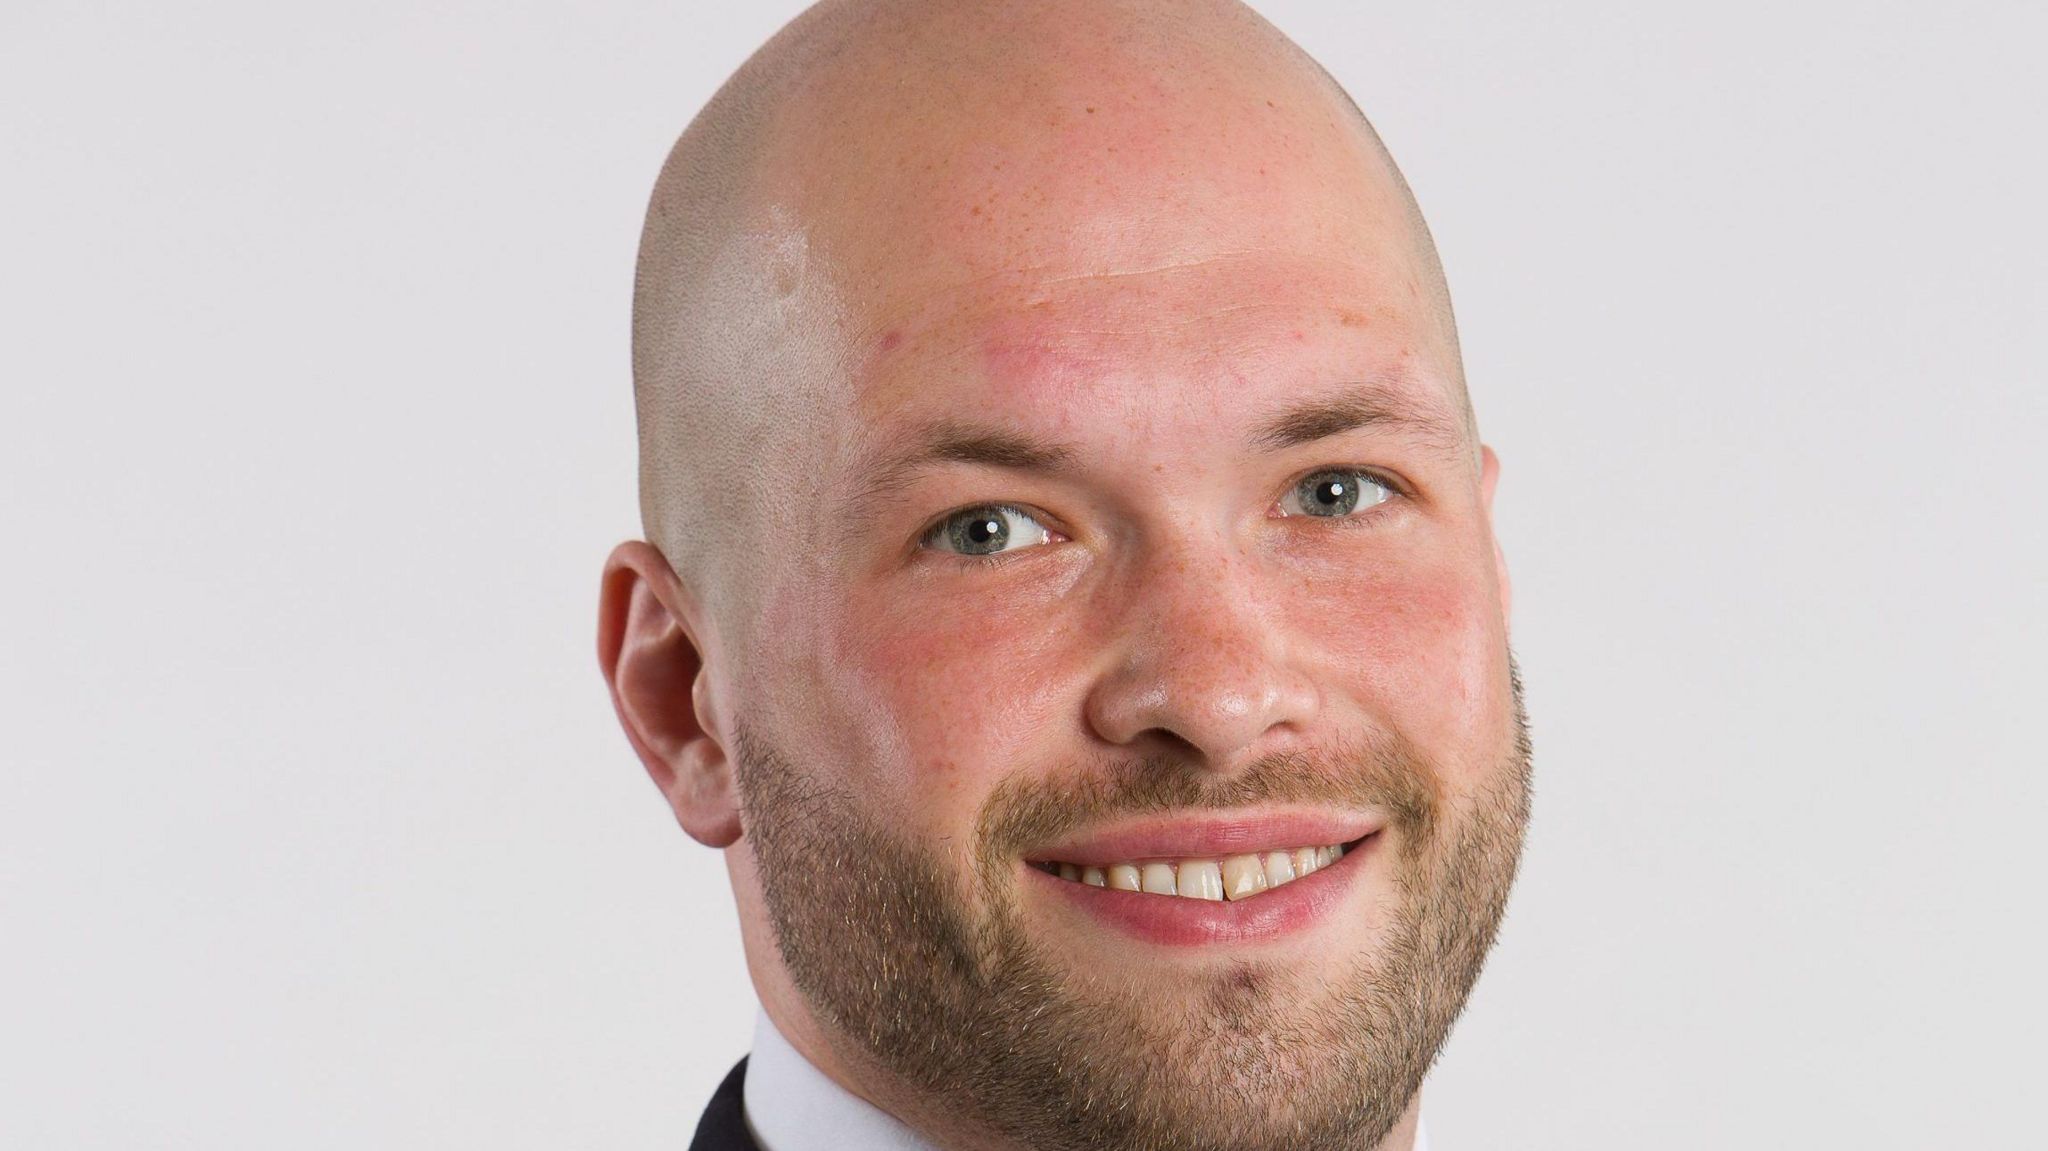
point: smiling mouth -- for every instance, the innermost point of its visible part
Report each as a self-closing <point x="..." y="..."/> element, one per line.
<point x="1230" y="877"/>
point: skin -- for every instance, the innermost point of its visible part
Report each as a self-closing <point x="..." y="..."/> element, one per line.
<point x="1136" y="231"/>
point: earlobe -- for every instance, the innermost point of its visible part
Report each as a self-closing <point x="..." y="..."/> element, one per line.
<point x="1489" y="476"/>
<point x="653" y="661"/>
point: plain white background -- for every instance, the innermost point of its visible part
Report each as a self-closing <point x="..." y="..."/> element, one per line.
<point x="315" y="428"/>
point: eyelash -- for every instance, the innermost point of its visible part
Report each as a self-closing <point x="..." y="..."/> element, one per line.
<point x="938" y="528"/>
<point x="1357" y="519"/>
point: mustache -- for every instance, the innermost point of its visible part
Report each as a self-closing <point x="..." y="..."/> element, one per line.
<point x="1383" y="770"/>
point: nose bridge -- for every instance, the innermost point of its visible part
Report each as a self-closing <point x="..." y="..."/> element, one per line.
<point x="1199" y="655"/>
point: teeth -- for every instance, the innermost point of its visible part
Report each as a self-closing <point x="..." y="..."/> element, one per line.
<point x="1157" y="878"/>
<point x="1279" y="868"/>
<point x="1235" y="877"/>
<point x="1243" y="875"/>
<point x="1201" y="879"/>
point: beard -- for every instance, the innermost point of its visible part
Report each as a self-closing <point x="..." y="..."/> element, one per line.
<point x="918" y="963"/>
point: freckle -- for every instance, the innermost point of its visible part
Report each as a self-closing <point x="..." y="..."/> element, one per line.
<point x="1349" y="318"/>
<point x="975" y="210"/>
<point x="1091" y="111"/>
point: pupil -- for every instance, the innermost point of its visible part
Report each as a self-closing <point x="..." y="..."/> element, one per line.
<point x="1333" y="495"/>
<point x="981" y="535"/>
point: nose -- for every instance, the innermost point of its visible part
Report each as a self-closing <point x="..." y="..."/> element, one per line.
<point x="1199" y="663"/>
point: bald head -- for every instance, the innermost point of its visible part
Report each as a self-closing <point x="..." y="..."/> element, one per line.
<point x="1053" y="414"/>
<point x="884" y="167"/>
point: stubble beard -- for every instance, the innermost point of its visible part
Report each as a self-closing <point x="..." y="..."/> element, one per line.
<point x="979" y="1022"/>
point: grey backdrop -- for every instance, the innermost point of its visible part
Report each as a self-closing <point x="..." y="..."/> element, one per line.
<point x="315" y="427"/>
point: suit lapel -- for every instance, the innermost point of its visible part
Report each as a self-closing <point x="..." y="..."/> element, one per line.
<point x="724" y="1125"/>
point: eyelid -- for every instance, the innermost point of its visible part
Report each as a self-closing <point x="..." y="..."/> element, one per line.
<point x="933" y="530"/>
<point x="1395" y="488"/>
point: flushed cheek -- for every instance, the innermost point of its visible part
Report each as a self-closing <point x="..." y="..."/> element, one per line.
<point x="950" y="701"/>
<point x="1426" y="650"/>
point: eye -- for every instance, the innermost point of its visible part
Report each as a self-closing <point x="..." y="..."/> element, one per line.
<point x="987" y="530"/>
<point x="1335" y="492"/>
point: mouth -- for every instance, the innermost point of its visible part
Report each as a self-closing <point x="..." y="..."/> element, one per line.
<point x="1211" y="882"/>
<point x="1233" y="877"/>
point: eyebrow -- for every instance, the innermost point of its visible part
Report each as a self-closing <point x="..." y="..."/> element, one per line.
<point x="1367" y="404"/>
<point x="949" y="441"/>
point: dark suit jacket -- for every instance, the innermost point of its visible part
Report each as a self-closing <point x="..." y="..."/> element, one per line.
<point x="724" y="1126"/>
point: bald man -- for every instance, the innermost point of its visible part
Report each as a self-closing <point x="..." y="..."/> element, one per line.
<point x="1071" y="601"/>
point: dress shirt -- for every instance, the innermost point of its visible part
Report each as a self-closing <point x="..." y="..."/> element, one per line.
<point x="793" y="1106"/>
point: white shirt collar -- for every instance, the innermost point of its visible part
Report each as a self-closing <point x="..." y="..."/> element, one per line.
<point x="790" y="1105"/>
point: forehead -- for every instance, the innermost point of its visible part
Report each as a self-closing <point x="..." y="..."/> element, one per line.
<point x="1154" y="356"/>
<point x="1082" y="156"/>
<point x="1115" y="249"/>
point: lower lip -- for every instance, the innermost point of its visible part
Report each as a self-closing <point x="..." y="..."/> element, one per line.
<point x="1179" y="922"/>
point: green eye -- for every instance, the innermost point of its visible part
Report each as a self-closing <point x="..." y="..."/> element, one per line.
<point x="1336" y="492"/>
<point x="990" y="529"/>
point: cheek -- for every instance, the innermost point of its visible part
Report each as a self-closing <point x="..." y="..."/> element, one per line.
<point x="1425" y="650"/>
<point x="940" y="703"/>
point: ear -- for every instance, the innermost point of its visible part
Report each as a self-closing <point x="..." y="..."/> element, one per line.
<point x="1489" y="474"/>
<point x="647" y="646"/>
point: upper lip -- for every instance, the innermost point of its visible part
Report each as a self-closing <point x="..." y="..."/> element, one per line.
<point x="1195" y="837"/>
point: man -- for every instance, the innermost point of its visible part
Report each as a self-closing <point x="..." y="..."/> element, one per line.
<point x="1072" y="603"/>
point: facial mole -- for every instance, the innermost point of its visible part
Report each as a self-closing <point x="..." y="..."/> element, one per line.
<point x="891" y="339"/>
